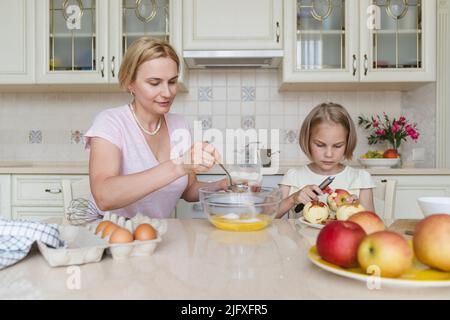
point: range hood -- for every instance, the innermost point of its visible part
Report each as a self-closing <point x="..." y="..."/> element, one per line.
<point x="233" y="58"/>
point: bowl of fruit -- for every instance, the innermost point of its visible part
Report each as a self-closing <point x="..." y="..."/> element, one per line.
<point x="378" y="159"/>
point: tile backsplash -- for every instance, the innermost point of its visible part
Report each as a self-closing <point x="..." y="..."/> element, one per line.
<point x="50" y="126"/>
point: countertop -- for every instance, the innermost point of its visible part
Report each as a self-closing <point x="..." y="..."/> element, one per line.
<point x="75" y="168"/>
<point x="197" y="261"/>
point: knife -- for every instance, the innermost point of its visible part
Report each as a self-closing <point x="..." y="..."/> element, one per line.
<point x="325" y="183"/>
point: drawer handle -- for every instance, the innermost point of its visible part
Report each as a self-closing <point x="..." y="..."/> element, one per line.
<point x="53" y="191"/>
<point x="278" y="32"/>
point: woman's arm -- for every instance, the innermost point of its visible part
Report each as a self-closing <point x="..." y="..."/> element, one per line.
<point x="366" y="199"/>
<point x="191" y="192"/>
<point x="112" y="190"/>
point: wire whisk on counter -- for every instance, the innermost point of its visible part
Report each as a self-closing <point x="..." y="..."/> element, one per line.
<point x="82" y="211"/>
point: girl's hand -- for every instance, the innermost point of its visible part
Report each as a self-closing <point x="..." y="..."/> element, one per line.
<point x="307" y="194"/>
<point x="200" y="158"/>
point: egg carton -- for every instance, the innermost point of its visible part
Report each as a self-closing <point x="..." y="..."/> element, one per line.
<point x="136" y="248"/>
<point x="81" y="247"/>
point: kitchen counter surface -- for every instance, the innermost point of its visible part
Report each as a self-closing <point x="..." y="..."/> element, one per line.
<point x="197" y="261"/>
<point x="74" y="168"/>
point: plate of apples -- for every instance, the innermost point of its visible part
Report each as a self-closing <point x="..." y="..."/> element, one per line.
<point x="360" y="248"/>
<point x="340" y="206"/>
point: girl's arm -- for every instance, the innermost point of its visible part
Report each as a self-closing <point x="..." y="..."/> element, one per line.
<point x="366" y="199"/>
<point x="287" y="203"/>
<point x="304" y="195"/>
<point x="112" y="190"/>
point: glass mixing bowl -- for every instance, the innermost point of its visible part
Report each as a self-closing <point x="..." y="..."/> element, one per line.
<point x="240" y="211"/>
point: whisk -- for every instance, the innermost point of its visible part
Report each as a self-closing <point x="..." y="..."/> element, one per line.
<point x="82" y="211"/>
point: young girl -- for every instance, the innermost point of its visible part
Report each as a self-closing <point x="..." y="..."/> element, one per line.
<point x="327" y="137"/>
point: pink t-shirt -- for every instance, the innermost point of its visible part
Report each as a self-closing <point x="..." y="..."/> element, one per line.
<point x="118" y="126"/>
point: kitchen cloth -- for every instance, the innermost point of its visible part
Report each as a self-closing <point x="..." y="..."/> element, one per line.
<point x="17" y="237"/>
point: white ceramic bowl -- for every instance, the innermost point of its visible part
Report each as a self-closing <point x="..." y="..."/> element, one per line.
<point x="379" y="162"/>
<point x="431" y="205"/>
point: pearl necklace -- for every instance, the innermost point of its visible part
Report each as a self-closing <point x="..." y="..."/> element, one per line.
<point x="151" y="133"/>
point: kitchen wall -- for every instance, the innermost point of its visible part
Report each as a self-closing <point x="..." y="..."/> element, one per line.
<point x="49" y="126"/>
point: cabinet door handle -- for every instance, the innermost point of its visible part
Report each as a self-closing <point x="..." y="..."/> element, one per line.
<point x="366" y="64"/>
<point x="53" y="191"/>
<point x="278" y="32"/>
<point x="354" y="64"/>
<point x="102" y="66"/>
<point x="113" y="66"/>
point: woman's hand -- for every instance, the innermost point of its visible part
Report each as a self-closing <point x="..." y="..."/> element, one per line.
<point x="200" y="158"/>
<point x="306" y="194"/>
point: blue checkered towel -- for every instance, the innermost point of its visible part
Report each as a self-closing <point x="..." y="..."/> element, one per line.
<point x="17" y="237"/>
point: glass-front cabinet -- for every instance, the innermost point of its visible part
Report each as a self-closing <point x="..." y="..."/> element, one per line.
<point x="399" y="40"/>
<point x="330" y="41"/>
<point x="83" y="41"/>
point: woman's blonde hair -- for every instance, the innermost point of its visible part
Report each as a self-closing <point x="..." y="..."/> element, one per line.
<point x="140" y="51"/>
<point x="331" y="113"/>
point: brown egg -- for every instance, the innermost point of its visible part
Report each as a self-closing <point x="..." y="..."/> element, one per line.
<point x="102" y="225"/>
<point x="121" y="235"/>
<point x="144" y="232"/>
<point x="109" y="229"/>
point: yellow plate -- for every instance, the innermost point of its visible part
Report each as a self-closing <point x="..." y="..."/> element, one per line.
<point x="419" y="275"/>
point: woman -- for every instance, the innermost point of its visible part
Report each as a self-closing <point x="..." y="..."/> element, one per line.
<point x="141" y="158"/>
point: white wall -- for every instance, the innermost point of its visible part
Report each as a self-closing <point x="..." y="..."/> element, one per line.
<point x="224" y="97"/>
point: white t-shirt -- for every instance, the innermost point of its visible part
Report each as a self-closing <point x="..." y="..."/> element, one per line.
<point x="350" y="179"/>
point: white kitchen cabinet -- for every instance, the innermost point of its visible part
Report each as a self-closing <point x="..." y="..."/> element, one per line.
<point x="410" y="188"/>
<point x="335" y="42"/>
<point x="17" y="39"/>
<point x="232" y="24"/>
<point x="83" y="41"/>
<point x="38" y="196"/>
<point x="5" y="196"/>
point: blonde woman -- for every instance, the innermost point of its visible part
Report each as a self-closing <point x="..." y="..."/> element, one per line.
<point x="327" y="137"/>
<point x="141" y="157"/>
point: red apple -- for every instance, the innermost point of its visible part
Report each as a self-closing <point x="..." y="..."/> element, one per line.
<point x="390" y="153"/>
<point x="316" y="212"/>
<point x="388" y="251"/>
<point x="431" y="241"/>
<point x="337" y="198"/>
<point x="338" y="243"/>
<point x="368" y="220"/>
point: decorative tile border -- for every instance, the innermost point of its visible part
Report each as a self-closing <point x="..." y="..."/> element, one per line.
<point x="205" y="94"/>
<point x="206" y="122"/>
<point x="76" y="137"/>
<point x="248" y="122"/>
<point x="35" y="137"/>
<point x="291" y="136"/>
<point x="248" y="93"/>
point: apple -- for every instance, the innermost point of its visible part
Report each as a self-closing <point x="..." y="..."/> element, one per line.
<point x="388" y="251"/>
<point x="338" y="242"/>
<point x="347" y="210"/>
<point x="431" y="241"/>
<point x="390" y="153"/>
<point x="337" y="198"/>
<point x="316" y="211"/>
<point x="368" y="220"/>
